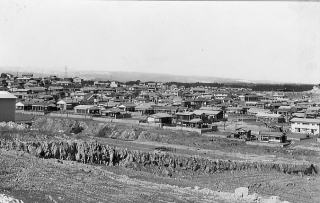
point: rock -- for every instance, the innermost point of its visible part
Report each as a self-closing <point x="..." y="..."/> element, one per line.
<point x="241" y="192"/>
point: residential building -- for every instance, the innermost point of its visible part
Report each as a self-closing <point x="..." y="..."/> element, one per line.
<point x="305" y="125"/>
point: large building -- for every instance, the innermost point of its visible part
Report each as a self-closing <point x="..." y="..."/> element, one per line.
<point x="305" y="126"/>
<point x="7" y="106"/>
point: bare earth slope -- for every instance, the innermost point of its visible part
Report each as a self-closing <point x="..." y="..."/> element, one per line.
<point x="123" y="163"/>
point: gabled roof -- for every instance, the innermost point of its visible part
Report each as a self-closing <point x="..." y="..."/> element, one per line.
<point x="19" y="104"/>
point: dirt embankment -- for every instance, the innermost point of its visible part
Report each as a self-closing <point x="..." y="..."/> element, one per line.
<point x="163" y="163"/>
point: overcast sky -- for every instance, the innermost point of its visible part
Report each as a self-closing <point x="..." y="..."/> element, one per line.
<point x="277" y="41"/>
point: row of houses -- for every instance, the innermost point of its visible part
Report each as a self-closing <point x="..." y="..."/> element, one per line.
<point x="157" y="102"/>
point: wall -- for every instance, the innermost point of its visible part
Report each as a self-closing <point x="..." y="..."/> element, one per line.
<point x="7" y="109"/>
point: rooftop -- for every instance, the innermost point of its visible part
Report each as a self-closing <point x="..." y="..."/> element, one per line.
<point x="305" y="120"/>
<point x="6" y="95"/>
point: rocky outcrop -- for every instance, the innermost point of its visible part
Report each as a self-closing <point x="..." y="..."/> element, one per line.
<point x="164" y="163"/>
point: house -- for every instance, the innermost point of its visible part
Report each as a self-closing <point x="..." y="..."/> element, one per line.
<point x="278" y="137"/>
<point x="86" y="109"/>
<point x="7" y="106"/>
<point x="68" y="103"/>
<point x="127" y="107"/>
<point x="19" y="106"/>
<point x="184" y="118"/>
<point x="209" y="116"/>
<point x="162" y="118"/>
<point x="44" y="106"/>
<point x="62" y="105"/>
<point x="305" y="126"/>
<point x="115" y="113"/>
<point x="37" y="105"/>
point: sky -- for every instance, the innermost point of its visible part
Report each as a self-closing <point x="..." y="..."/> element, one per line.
<point x="265" y="40"/>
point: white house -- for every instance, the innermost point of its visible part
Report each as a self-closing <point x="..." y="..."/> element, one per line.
<point x="113" y="84"/>
<point x="62" y="105"/>
<point x="305" y="126"/>
<point x="19" y="106"/>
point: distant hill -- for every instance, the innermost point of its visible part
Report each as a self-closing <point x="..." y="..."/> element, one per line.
<point x="128" y="76"/>
<point x="132" y="76"/>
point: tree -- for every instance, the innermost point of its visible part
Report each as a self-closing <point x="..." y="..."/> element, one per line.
<point x="4" y="75"/>
<point x="4" y="83"/>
